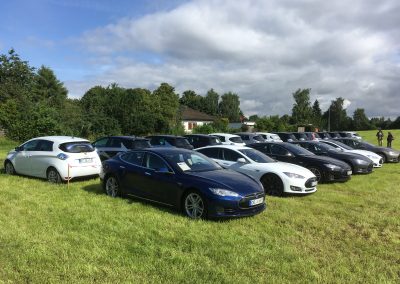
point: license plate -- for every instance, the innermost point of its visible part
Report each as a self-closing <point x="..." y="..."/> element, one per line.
<point x="256" y="201"/>
<point x="349" y="173"/>
<point x="85" y="160"/>
<point x="314" y="183"/>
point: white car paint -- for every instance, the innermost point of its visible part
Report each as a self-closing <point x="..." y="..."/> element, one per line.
<point x="35" y="162"/>
<point x="229" y="139"/>
<point x="270" y="136"/>
<point x="258" y="170"/>
<point x="376" y="159"/>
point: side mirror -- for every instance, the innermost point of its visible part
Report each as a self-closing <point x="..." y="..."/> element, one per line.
<point x="241" y="160"/>
<point x="18" y="149"/>
<point x="288" y="154"/>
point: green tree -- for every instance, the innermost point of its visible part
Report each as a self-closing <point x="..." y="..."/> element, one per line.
<point x="302" y="110"/>
<point x="360" y="120"/>
<point x="316" y="114"/>
<point x="229" y="107"/>
<point x="211" y="101"/>
<point x="49" y="88"/>
<point x="166" y="106"/>
<point x="336" y="115"/>
<point x="191" y="99"/>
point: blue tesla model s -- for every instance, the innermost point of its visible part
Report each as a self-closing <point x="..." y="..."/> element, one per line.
<point x="183" y="179"/>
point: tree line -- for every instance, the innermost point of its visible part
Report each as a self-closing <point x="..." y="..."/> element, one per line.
<point x="33" y="102"/>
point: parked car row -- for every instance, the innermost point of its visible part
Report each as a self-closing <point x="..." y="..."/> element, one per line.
<point x="227" y="175"/>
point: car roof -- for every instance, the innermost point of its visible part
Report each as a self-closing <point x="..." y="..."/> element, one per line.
<point x="224" y="134"/>
<point x="247" y="133"/>
<point x="199" y="135"/>
<point x="165" y="135"/>
<point x="60" y="139"/>
<point x="124" y="137"/>
<point x="164" y="150"/>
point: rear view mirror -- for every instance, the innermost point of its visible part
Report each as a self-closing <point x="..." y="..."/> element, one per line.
<point x="18" y="149"/>
<point x="241" y="160"/>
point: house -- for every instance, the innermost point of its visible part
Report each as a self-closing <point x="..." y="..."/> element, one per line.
<point x="192" y="118"/>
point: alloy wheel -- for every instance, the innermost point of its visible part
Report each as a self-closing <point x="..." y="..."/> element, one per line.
<point x="53" y="176"/>
<point x="317" y="173"/>
<point x="194" y="206"/>
<point x="273" y="185"/>
<point x="9" y="168"/>
<point x="112" y="187"/>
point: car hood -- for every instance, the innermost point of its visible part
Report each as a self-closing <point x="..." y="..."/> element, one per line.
<point x="231" y="180"/>
<point x="365" y="153"/>
<point x="327" y="160"/>
<point x="281" y="167"/>
<point x="384" y="149"/>
<point x="347" y="155"/>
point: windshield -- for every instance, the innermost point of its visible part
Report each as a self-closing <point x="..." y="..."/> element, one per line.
<point x="258" y="138"/>
<point x="256" y="156"/>
<point x="179" y="142"/>
<point x="326" y="147"/>
<point x="298" y="150"/>
<point x="316" y="135"/>
<point x="236" y="139"/>
<point x="192" y="162"/>
<point x="215" y="140"/>
<point x="275" y="137"/>
<point x="342" y="145"/>
<point x="76" y="147"/>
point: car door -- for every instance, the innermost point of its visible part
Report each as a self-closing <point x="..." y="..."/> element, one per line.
<point x="230" y="160"/>
<point x="41" y="157"/>
<point x="22" y="162"/>
<point x="159" y="180"/>
<point x="280" y="153"/>
<point x="132" y="174"/>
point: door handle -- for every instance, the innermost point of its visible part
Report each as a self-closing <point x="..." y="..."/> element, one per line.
<point x="147" y="173"/>
<point x="121" y="167"/>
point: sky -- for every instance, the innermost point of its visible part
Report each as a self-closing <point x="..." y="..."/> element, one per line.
<point x="261" y="50"/>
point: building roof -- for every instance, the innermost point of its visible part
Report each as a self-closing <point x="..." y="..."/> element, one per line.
<point x="195" y="115"/>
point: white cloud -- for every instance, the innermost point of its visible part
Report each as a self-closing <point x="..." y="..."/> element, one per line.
<point x="262" y="50"/>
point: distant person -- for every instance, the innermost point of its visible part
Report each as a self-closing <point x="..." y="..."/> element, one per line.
<point x="380" y="135"/>
<point x="390" y="138"/>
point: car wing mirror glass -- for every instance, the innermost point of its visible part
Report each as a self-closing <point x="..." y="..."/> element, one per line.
<point x="163" y="171"/>
<point x="241" y="160"/>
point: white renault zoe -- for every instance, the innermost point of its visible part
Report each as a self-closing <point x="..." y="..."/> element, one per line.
<point x="277" y="178"/>
<point x="56" y="158"/>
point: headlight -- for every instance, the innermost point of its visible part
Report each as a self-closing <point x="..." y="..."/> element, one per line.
<point x="223" y="192"/>
<point x="332" y="167"/>
<point x="359" y="161"/>
<point x="62" y="156"/>
<point x="372" y="157"/>
<point x="293" y="175"/>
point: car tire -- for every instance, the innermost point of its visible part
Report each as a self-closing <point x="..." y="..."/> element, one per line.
<point x="9" y="168"/>
<point x="318" y="173"/>
<point x="111" y="186"/>
<point x="383" y="156"/>
<point x="53" y="176"/>
<point x="272" y="184"/>
<point x="194" y="205"/>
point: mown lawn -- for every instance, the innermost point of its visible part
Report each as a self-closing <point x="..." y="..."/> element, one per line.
<point x="346" y="232"/>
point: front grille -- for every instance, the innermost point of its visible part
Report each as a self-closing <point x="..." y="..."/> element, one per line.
<point x="244" y="202"/>
<point x="310" y="181"/>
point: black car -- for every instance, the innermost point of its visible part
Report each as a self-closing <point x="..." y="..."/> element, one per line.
<point x="202" y="140"/>
<point x="169" y="141"/>
<point x="286" y="136"/>
<point x="387" y="154"/>
<point x="108" y="147"/>
<point x="301" y="136"/>
<point x="325" y="168"/>
<point x="324" y="135"/>
<point x="359" y="164"/>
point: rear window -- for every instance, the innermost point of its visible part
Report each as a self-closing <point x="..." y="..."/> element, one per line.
<point x="258" y="138"/>
<point x="76" y="147"/>
<point x="136" y="144"/>
<point x="236" y="139"/>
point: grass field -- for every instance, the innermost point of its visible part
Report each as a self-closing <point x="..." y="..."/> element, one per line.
<point x="346" y="232"/>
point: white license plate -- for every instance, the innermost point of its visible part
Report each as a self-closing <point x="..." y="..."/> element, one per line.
<point x="256" y="201"/>
<point x="349" y="173"/>
<point x="314" y="183"/>
<point x="85" y="160"/>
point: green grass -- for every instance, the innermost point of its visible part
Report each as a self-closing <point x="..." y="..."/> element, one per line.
<point x="346" y="232"/>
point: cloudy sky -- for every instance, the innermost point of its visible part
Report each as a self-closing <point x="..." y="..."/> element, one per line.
<point x="262" y="50"/>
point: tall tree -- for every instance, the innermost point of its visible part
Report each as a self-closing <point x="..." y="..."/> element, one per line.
<point x="336" y="115"/>
<point x="316" y="114"/>
<point x="191" y="99"/>
<point x="211" y="103"/>
<point x="166" y="107"/>
<point x="49" y="88"/>
<point x="229" y="107"/>
<point x="302" y="111"/>
<point x="360" y="120"/>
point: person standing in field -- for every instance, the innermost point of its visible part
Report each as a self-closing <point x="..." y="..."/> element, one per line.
<point x="380" y="135"/>
<point x="390" y="138"/>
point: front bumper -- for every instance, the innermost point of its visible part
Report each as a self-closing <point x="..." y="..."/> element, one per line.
<point x="338" y="175"/>
<point x="228" y="207"/>
<point x="363" y="169"/>
<point x="301" y="187"/>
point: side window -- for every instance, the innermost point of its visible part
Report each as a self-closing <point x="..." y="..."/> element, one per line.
<point x="135" y="158"/>
<point x="101" y="142"/>
<point x="155" y="163"/>
<point x="190" y="139"/>
<point x="278" y="150"/>
<point x="245" y="137"/>
<point x="230" y="155"/>
<point x="115" y="143"/>
<point x="31" y="145"/>
<point x="45" y="145"/>
<point x="211" y="152"/>
<point x="265" y="148"/>
<point x="222" y="138"/>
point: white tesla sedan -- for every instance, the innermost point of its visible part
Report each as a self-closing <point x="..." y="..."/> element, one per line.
<point x="229" y="139"/>
<point x="56" y="158"/>
<point x="277" y="178"/>
<point x="376" y="159"/>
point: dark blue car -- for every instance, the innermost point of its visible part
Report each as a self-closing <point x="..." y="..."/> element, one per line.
<point x="183" y="179"/>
